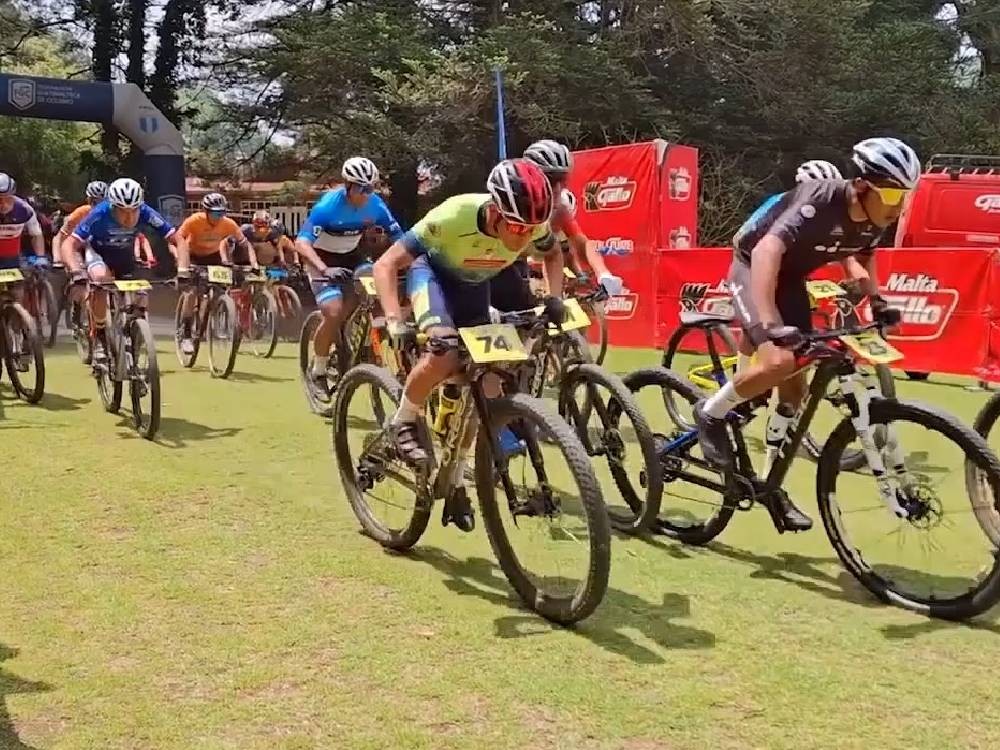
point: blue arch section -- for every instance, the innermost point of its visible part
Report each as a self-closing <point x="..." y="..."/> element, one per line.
<point x="123" y="105"/>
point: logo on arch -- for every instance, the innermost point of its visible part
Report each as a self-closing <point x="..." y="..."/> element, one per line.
<point x="988" y="203"/>
<point x="21" y="93"/>
<point x="149" y="124"/>
<point x="613" y="194"/>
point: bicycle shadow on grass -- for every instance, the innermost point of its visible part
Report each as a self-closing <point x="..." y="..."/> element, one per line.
<point x="913" y="630"/>
<point x="256" y="377"/>
<point x="619" y="610"/>
<point x="11" y="684"/>
<point x="803" y="571"/>
<point x="177" y="433"/>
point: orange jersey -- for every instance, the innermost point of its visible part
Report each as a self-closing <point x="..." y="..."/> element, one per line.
<point x="71" y="222"/>
<point x="204" y="238"/>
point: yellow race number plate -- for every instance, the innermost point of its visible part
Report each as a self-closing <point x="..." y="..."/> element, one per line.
<point x="220" y="275"/>
<point x="10" y="275"/>
<point x="568" y="273"/>
<point x="824" y="289"/>
<point x="493" y="343"/>
<point x="133" y="285"/>
<point x="576" y="318"/>
<point x="368" y="284"/>
<point x="873" y="347"/>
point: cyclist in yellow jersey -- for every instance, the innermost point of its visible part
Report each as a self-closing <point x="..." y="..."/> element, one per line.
<point x="452" y="254"/>
<point x="96" y="192"/>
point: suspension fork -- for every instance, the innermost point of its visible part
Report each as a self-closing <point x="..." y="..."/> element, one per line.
<point x="859" y="399"/>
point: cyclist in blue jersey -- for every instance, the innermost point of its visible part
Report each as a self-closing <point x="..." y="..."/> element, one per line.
<point x="107" y="238"/>
<point x="332" y="242"/>
<point x="809" y="171"/>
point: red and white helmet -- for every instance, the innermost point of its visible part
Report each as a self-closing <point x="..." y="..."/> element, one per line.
<point x="521" y="191"/>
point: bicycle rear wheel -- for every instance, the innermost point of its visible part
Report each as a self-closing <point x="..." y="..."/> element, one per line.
<point x="938" y="560"/>
<point x="23" y="354"/>
<point x="319" y="403"/>
<point x="683" y="356"/>
<point x="693" y="508"/>
<point x="79" y="325"/>
<point x="391" y="501"/>
<point x="108" y="388"/>
<point x="610" y="425"/>
<point x="546" y="514"/>
<point x="144" y="380"/>
<point x="223" y="336"/>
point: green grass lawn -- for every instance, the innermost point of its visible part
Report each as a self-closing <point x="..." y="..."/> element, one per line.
<point x="211" y="590"/>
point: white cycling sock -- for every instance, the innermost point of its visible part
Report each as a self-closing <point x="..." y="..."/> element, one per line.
<point x="407" y="411"/>
<point x="319" y="364"/>
<point x="723" y="402"/>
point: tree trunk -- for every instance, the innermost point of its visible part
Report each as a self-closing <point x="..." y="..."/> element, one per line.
<point x="106" y="47"/>
<point x="136" y="72"/>
<point x="403" y="184"/>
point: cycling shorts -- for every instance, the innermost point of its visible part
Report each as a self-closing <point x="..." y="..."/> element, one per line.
<point x="121" y="264"/>
<point x="325" y="290"/>
<point x="211" y="259"/>
<point x="510" y="290"/>
<point x="791" y="298"/>
<point x="441" y="301"/>
<point x="14" y="262"/>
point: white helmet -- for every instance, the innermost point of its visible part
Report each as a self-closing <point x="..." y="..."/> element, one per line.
<point x="125" y="193"/>
<point x="360" y="170"/>
<point x="215" y="202"/>
<point x="7" y="184"/>
<point x="554" y="158"/>
<point x="569" y="201"/>
<point x="888" y="159"/>
<point x="817" y="169"/>
<point x="97" y="190"/>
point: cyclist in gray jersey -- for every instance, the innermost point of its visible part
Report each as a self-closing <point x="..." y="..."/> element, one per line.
<point x="815" y="224"/>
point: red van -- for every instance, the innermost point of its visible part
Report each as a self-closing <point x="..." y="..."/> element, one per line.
<point x="956" y="204"/>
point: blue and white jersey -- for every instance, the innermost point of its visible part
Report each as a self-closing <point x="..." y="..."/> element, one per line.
<point x="335" y="226"/>
<point x="107" y="236"/>
<point x="755" y="218"/>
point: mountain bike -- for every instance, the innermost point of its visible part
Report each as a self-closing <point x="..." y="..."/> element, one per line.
<point x="362" y="342"/>
<point x="712" y="332"/>
<point x="562" y="506"/>
<point x="40" y="299"/>
<point x="880" y="522"/>
<point x="130" y="354"/>
<point x="602" y="411"/>
<point x="591" y="299"/>
<point x="256" y="311"/>
<point x="281" y="281"/>
<point x="214" y="318"/>
<point x="20" y="346"/>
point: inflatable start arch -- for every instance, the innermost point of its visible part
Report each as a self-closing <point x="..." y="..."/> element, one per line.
<point x="120" y="104"/>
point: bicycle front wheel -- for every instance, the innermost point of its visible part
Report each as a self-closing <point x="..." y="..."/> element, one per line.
<point x="616" y="436"/>
<point x="144" y="380"/>
<point x="184" y="330"/>
<point x="937" y="560"/>
<point x="599" y="348"/>
<point x="263" y="324"/>
<point x="693" y="507"/>
<point x="23" y="354"/>
<point x="391" y="502"/>
<point x="686" y="354"/>
<point x="552" y="536"/>
<point x="223" y="336"/>
<point x="48" y="313"/>
<point x="290" y="308"/>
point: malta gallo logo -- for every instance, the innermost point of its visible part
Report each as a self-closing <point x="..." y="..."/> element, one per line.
<point x="613" y="194"/>
<point x="988" y="203"/>
<point x="926" y="307"/>
<point x="704" y="297"/>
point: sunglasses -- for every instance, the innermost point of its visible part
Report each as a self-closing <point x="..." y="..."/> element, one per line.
<point x="891" y="196"/>
<point x="216" y="214"/>
<point x="517" y="229"/>
<point x="363" y="189"/>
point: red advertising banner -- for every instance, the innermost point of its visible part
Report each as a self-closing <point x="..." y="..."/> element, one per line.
<point x="678" y="224"/>
<point x="949" y="324"/>
<point x="630" y="199"/>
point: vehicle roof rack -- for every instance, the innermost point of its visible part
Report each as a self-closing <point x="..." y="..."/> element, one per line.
<point x="956" y="165"/>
